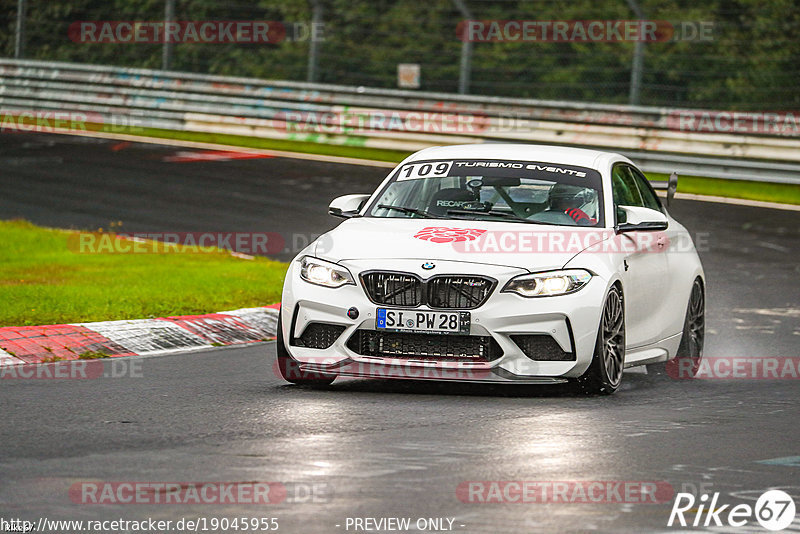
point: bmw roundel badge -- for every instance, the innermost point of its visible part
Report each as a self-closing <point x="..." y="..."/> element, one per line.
<point x="428" y="265"/>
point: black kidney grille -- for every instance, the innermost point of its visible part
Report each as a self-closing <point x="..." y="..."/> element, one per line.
<point x="415" y="346"/>
<point x="444" y="291"/>
<point x="462" y="292"/>
<point x="541" y="347"/>
<point x="393" y="289"/>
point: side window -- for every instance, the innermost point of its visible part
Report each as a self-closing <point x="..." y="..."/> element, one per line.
<point x="624" y="187"/>
<point x="649" y="198"/>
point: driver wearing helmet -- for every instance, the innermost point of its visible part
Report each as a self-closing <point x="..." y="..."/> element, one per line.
<point x="566" y="199"/>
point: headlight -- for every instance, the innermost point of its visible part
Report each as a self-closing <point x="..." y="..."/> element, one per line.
<point x="324" y="273"/>
<point x="548" y="284"/>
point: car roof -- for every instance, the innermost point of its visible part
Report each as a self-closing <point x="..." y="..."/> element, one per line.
<point x="593" y="159"/>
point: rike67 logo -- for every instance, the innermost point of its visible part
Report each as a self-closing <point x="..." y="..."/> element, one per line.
<point x="774" y="510"/>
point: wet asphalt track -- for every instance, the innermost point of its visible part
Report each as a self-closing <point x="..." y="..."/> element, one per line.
<point x="383" y="448"/>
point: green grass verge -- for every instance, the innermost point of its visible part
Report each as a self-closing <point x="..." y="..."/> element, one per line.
<point x="43" y="281"/>
<point x="784" y="193"/>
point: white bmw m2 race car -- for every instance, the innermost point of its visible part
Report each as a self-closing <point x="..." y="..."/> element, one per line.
<point x="495" y="263"/>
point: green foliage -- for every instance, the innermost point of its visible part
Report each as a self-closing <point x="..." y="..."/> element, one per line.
<point x="751" y="62"/>
<point x="93" y="355"/>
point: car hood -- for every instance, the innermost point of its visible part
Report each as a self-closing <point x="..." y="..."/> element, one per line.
<point x="525" y="246"/>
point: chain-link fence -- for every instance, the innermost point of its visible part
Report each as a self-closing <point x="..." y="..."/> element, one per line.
<point x="728" y="54"/>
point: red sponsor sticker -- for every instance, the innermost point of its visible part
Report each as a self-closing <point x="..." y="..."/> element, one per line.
<point x="443" y="234"/>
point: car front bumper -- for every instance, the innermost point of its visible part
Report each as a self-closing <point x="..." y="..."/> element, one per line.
<point x="570" y="320"/>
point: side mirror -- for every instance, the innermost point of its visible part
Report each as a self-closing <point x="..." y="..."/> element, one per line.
<point x="622" y="215"/>
<point x="636" y="218"/>
<point x="347" y="206"/>
<point x="671" y="186"/>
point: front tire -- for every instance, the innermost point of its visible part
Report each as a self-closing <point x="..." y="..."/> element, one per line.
<point x="604" y="374"/>
<point x="289" y="368"/>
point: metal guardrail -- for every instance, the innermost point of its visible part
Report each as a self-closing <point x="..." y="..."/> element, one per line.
<point x="336" y="115"/>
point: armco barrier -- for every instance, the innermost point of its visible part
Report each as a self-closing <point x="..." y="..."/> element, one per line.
<point x="282" y="110"/>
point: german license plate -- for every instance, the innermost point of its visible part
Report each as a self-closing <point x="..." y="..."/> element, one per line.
<point x="434" y="322"/>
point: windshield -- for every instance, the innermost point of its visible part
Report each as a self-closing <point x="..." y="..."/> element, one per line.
<point x="511" y="191"/>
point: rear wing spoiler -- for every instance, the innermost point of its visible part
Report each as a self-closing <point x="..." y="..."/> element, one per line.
<point x="669" y="186"/>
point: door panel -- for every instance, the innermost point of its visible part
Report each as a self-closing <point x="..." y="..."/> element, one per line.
<point x="645" y="280"/>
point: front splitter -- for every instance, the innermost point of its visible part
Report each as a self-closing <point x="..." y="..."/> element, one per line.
<point x="495" y="375"/>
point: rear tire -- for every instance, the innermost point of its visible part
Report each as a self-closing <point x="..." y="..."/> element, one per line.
<point x="604" y="374"/>
<point x="289" y="368"/>
<point x="694" y="329"/>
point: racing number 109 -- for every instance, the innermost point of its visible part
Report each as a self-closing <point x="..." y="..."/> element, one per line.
<point x="423" y="170"/>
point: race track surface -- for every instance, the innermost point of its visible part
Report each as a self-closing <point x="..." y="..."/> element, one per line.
<point x="377" y="448"/>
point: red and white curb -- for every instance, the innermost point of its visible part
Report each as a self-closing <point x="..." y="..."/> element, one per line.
<point x="37" y="344"/>
<point x="7" y="359"/>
